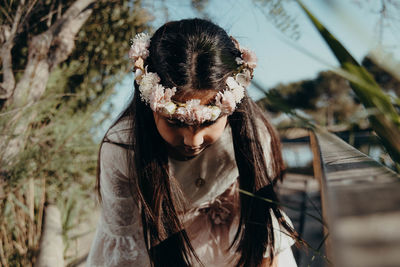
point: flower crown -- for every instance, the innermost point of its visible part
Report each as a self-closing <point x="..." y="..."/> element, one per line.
<point x="160" y="98"/>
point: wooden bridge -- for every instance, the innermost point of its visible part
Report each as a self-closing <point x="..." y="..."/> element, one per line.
<point x="360" y="203"/>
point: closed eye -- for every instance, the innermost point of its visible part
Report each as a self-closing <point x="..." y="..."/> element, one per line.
<point x="207" y="123"/>
<point x="176" y="123"/>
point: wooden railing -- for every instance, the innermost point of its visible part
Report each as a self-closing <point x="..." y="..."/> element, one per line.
<point x="361" y="204"/>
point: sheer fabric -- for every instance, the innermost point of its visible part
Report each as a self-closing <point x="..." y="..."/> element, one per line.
<point x="209" y="182"/>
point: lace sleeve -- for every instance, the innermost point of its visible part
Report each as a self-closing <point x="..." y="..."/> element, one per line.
<point x="283" y="241"/>
<point x="119" y="237"/>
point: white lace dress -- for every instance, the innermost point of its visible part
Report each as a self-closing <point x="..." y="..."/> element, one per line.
<point x="209" y="182"/>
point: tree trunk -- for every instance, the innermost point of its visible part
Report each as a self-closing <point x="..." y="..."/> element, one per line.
<point x="51" y="242"/>
<point x="46" y="51"/>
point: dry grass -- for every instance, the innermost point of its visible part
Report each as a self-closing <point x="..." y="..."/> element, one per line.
<point x="21" y="223"/>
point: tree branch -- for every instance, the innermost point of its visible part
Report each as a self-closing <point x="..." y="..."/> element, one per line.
<point x="8" y="84"/>
<point x="49" y="49"/>
<point x="30" y="5"/>
<point x="7" y="16"/>
<point x="50" y="16"/>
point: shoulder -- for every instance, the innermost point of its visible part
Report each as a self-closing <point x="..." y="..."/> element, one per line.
<point x="114" y="150"/>
<point x="120" y="132"/>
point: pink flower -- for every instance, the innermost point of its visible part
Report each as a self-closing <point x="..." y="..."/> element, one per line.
<point x="192" y="112"/>
<point x="249" y="57"/>
<point x="169" y="93"/>
<point x="149" y="80"/>
<point x="139" y="47"/>
<point x="244" y="77"/>
<point x="192" y="106"/>
<point x="156" y="96"/>
<point x="160" y="98"/>
<point x="202" y="114"/>
<point x="219" y="211"/>
<point x="181" y="114"/>
<point x="226" y="102"/>
<point x="235" y="88"/>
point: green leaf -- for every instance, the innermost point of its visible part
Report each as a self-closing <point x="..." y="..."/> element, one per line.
<point x="386" y="121"/>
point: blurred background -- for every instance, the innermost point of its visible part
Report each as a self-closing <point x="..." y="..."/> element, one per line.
<point x="65" y="77"/>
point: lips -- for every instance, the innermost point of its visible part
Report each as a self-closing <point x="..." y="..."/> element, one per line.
<point x="184" y="152"/>
<point x="193" y="150"/>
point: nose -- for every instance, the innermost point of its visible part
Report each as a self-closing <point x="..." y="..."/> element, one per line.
<point x="193" y="138"/>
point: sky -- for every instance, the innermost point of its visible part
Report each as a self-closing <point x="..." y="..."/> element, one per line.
<point x="281" y="57"/>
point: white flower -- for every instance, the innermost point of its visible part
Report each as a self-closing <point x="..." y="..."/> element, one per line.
<point x="170" y="108"/>
<point x="202" y="113"/>
<point x="192" y="104"/>
<point x="244" y="78"/>
<point x="235" y="88"/>
<point x="215" y="112"/>
<point x="193" y="111"/>
<point x="181" y="114"/>
<point x="138" y="75"/>
<point x="238" y="93"/>
<point x="169" y="92"/>
<point x="226" y="101"/>
<point x="249" y="57"/>
<point x="159" y="98"/>
<point x="156" y="96"/>
<point x="147" y="84"/>
<point x="139" y="47"/>
<point x="239" y="60"/>
<point x="231" y="82"/>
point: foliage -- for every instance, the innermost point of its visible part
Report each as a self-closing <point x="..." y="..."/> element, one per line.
<point x="385" y="79"/>
<point x="383" y="116"/>
<point x="388" y="24"/>
<point x="199" y="5"/>
<point x="328" y="98"/>
<point x="276" y="12"/>
<point x="60" y="155"/>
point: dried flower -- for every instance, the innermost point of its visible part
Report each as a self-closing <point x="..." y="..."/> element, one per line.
<point x="249" y="57"/>
<point x="170" y="108"/>
<point x="160" y="98"/>
<point x="139" y="47"/>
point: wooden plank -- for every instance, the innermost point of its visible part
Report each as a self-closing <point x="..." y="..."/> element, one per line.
<point x="319" y="175"/>
<point x="361" y="203"/>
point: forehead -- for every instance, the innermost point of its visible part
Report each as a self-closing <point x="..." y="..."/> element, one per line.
<point x="206" y="96"/>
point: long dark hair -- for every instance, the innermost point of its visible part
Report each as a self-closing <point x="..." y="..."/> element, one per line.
<point x="193" y="55"/>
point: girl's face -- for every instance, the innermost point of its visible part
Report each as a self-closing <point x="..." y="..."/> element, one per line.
<point x="187" y="141"/>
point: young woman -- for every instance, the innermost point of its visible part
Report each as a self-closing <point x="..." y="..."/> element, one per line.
<point x="186" y="174"/>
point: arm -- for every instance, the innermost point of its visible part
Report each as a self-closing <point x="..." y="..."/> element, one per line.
<point x="283" y="259"/>
<point x="119" y="238"/>
<point x="283" y="256"/>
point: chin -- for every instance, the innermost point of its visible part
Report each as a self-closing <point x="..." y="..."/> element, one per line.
<point x="190" y="153"/>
